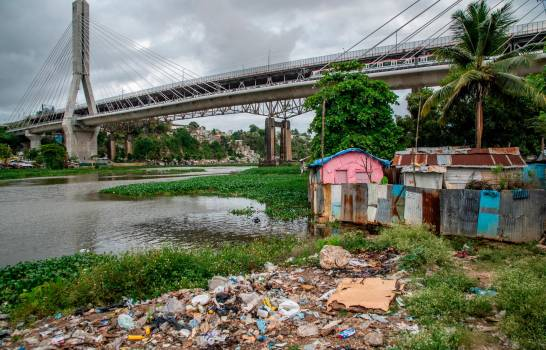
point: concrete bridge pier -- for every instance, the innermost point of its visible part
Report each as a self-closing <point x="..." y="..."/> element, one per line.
<point x="286" y="141"/>
<point x="111" y="147"/>
<point x="128" y="145"/>
<point x="80" y="142"/>
<point x="270" y="140"/>
<point x="35" y="140"/>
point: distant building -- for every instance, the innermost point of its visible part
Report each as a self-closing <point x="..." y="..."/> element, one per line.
<point x="455" y="167"/>
<point x="351" y="165"/>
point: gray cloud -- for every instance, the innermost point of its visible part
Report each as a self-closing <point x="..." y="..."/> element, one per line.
<point x="208" y="36"/>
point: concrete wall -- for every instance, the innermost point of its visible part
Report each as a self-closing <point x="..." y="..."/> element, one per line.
<point x="513" y="216"/>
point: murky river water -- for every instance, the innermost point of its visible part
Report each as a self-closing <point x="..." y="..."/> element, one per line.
<point x="42" y="218"/>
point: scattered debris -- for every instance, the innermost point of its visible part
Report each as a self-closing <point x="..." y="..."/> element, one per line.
<point x="363" y="293"/>
<point x="333" y="257"/>
<point x="276" y="309"/>
<point x="483" y="292"/>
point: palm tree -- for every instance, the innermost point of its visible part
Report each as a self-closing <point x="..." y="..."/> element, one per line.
<point x="479" y="65"/>
<point x="539" y="124"/>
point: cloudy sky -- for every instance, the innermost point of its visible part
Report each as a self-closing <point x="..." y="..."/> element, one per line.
<point x="206" y="36"/>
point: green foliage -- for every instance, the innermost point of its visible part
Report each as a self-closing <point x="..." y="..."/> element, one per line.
<point x="435" y="338"/>
<point x="248" y="211"/>
<point x="22" y="277"/>
<point x="5" y="151"/>
<point x="54" y="155"/>
<point x="521" y="293"/>
<point x="146" y="148"/>
<point x="149" y="274"/>
<point x="423" y="249"/>
<point x="482" y="33"/>
<point x="506" y="120"/>
<point x="358" y="114"/>
<point x="282" y="189"/>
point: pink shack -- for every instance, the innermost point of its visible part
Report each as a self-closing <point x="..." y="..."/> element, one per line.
<point x="351" y="165"/>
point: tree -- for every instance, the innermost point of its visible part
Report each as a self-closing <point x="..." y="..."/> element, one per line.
<point x="5" y="152"/>
<point x="54" y="155"/>
<point x="479" y="65"/>
<point x="146" y="148"/>
<point x="539" y="124"/>
<point x="505" y="117"/>
<point x="358" y="113"/>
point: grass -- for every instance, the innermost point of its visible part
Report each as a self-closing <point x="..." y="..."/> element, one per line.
<point x="440" y="298"/>
<point x="248" y="211"/>
<point x="143" y="275"/>
<point x="282" y="189"/>
<point x="10" y="174"/>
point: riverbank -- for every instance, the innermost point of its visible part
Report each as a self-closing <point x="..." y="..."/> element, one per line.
<point x="12" y="174"/>
<point x="452" y="294"/>
<point x="282" y="189"/>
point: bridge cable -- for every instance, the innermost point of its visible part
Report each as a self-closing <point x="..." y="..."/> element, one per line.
<point x="369" y="35"/>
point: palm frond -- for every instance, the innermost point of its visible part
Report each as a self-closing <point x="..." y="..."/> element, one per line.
<point x="454" y="54"/>
<point x="516" y="86"/>
<point x="437" y="96"/>
<point x="506" y="65"/>
<point x="464" y="84"/>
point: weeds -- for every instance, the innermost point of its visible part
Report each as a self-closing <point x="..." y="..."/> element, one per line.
<point x="248" y="211"/>
<point x="282" y="189"/>
<point x="521" y="292"/>
<point x="143" y="275"/>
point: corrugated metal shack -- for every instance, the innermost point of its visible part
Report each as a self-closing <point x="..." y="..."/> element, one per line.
<point x="514" y="216"/>
<point x="536" y="172"/>
<point x="454" y="167"/>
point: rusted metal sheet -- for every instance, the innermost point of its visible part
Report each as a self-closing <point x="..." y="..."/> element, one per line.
<point x="372" y="202"/>
<point x="336" y="202"/>
<point x="459" y="212"/>
<point x="431" y="209"/>
<point x="347" y="202"/>
<point x="326" y="208"/>
<point x="318" y="200"/>
<point x="398" y="200"/>
<point x="522" y="220"/>
<point x="383" y="215"/>
<point x="413" y="210"/>
<point x="360" y="205"/>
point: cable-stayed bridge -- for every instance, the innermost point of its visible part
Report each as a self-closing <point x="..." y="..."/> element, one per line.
<point x="274" y="90"/>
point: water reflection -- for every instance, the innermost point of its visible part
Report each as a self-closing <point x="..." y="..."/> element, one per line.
<point x="58" y="216"/>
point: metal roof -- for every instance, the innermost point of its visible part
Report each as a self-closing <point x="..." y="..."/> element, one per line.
<point x="320" y="162"/>
<point x="508" y="157"/>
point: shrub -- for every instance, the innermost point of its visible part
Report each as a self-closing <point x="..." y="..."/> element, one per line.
<point x="423" y="249"/>
<point x="521" y="292"/>
<point x="53" y="155"/>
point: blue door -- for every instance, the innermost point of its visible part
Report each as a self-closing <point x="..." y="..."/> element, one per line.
<point x="488" y="217"/>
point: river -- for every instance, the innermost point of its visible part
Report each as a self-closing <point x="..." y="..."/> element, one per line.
<point x="48" y="217"/>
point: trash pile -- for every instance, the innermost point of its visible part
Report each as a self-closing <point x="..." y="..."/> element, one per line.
<point x="343" y="304"/>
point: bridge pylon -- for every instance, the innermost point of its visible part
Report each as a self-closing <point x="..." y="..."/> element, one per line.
<point x="80" y="141"/>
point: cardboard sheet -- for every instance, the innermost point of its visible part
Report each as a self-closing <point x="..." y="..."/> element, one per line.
<point x="363" y="293"/>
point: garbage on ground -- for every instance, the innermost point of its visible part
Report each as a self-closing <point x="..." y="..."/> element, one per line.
<point x="275" y="309"/>
<point x="483" y="292"/>
<point x="349" y="332"/>
<point x="333" y="257"/>
<point x="363" y="293"/>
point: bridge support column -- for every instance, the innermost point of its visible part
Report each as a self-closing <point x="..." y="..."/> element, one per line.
<point x="81" y="143"/>
<point x="128" y="145"/>
<point x="270" y="140"/>
<point x="35" y="140"/>
<point x="111" y="147"/>
<point x="286" y="141"/>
